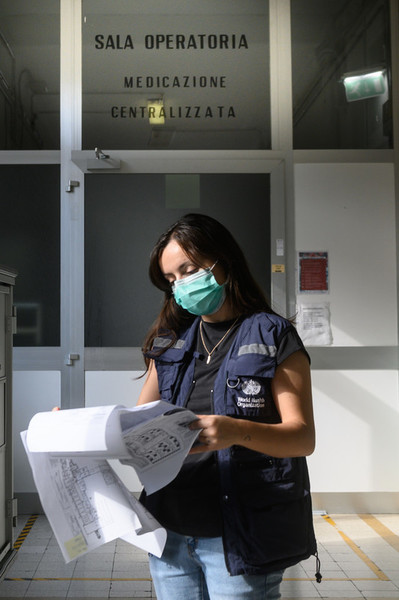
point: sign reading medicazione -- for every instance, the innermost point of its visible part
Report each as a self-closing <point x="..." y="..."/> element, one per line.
<point x="176" y="81"/>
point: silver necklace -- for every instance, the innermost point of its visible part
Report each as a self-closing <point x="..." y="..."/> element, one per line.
<point x="210" y="352"/>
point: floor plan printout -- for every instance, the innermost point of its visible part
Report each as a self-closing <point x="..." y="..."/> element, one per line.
<point x="85" y="501"/>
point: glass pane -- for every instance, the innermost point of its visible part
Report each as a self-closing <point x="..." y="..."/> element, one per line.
<point x="124" y="217"/>
<point x="341" y="74"/>
<point x="188" y="74"/>
<point x="29" y="75"/>
<point x="30" y="243"/>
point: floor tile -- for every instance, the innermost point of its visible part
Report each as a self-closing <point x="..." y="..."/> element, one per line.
<point x="14" y="588"/>
<point x="88" y="585"/>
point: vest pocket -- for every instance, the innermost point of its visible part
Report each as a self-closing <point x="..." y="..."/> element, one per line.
<point x="168" y="364"/>
<point x="248" y="387"/>
<point x="253" y="471"/>
<point x="168" y="376"/>
<point x="251" y="397"/>
<point x="262" y="481"/>
<point x="165" y="381"/>
<point x="273" y="507"/>
<point x="278" y="533"/>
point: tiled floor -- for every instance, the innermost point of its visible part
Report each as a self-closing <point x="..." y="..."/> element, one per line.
<point x="359" y="556"/>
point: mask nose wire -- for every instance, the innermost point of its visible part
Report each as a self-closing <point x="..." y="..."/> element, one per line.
<point x="203" y="269"/>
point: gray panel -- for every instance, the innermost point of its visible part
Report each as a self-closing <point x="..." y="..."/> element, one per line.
<point x="2" y="412"/>
<point x="354" y="357"/>
<point x="4" y="525"/>
<point x="329" y="502"/>
<point x="114" y="359"/>
<point x="37" y="359"/>
<point x="356" y="502"/>
<point x="331" y="358"/>
<point x="29" y="503"/>
<point x="6" y="465"/>
<point x="2" y="336"/>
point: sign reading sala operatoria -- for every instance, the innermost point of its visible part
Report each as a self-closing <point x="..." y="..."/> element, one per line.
<point x="160" y="42"/>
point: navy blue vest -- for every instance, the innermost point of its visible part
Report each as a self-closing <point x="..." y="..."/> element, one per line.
<point x="266" y="502"/>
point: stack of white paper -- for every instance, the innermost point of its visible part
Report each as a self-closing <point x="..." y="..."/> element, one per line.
<point x="84" y="500"/>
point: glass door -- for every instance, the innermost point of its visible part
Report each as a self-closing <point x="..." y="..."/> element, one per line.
<point x="126" y="211"/>
<point x="125" y="215"/>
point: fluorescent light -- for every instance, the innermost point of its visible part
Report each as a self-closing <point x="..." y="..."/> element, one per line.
<point x="156" y="113"/>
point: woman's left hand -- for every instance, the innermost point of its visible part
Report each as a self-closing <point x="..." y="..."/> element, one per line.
<point x="218" y="432"/>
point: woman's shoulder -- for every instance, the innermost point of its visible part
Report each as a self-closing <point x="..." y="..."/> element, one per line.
<point x="269" y="321"/>
<point x="272" y="330"/>
<point x="177" y="339"/>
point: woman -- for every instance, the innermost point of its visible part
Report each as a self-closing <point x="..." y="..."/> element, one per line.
<point x="241" y="503"/>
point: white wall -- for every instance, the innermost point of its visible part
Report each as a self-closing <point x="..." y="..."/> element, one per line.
<point x="33" y="391"/>
<point x="349" y="211"/>
<point x="116" y="387"/>
<point x="357" y="423"/>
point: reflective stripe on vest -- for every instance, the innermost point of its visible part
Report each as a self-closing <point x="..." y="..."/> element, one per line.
<point x="257" y="349"/>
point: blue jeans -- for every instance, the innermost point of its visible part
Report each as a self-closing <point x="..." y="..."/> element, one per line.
<point x="194" y="569"/>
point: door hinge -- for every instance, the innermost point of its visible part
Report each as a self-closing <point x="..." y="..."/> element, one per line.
<point x="70" y="359"/>
<point x="12" y="510"/>
<point x="71" y="186"/>
<point x="12" y="321"/>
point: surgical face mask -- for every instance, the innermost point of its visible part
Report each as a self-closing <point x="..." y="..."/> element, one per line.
<point x="199" y="293"/>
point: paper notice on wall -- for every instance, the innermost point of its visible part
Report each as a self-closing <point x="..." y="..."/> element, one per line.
<point x="313" y="324"/>
<point x="313" y="272"/>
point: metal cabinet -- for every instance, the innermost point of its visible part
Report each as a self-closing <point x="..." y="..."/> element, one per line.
<point x="7" y="502"/>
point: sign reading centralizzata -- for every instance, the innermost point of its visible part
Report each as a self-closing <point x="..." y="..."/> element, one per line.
<point x="179" y="80"/>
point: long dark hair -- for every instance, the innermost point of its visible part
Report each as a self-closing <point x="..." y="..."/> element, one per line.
<point x="201" y="236"/>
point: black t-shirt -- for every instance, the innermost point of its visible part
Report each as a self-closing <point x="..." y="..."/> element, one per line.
<point x="189" y="504"/>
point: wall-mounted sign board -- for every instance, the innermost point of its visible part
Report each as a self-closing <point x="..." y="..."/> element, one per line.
<point x="179" y="75"/>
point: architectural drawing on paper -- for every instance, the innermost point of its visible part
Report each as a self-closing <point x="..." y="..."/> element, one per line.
<point x="152" y="445"/>
<point x="71" y="481"/>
